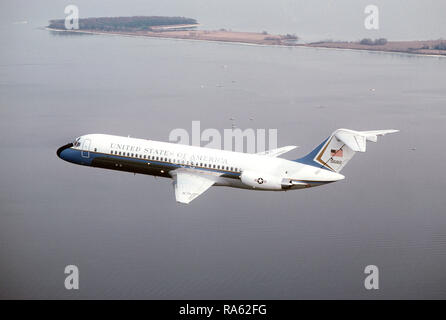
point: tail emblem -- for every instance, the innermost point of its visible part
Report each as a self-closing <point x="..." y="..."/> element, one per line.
<point x="337" y="153"/>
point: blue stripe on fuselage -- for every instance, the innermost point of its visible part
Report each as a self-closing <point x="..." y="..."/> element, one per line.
<point x="75" y="156"/>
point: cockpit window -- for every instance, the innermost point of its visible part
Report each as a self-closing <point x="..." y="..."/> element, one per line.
<point x="76" y="142"/>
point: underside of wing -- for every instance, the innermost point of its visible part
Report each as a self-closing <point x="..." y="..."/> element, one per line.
<point x="189" y="184"/>
<point x="277" y="152"/>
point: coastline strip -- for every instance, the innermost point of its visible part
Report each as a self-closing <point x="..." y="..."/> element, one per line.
<point x="309" y="45"/>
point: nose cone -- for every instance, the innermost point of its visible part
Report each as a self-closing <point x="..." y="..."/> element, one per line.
<point x="62" y="151"/>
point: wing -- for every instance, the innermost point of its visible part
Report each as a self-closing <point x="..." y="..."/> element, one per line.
<point x="189" y="184"/>
<point x="277" y="152"/>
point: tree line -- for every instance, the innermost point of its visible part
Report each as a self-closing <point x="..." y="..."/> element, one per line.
<point x="376" y="42"/>
<point x="123" y="23"/>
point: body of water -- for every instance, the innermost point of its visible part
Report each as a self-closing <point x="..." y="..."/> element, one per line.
<point x="126" y="233"/>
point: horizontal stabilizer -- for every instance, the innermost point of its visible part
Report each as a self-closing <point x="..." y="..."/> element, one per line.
<point x="356" y="140"/>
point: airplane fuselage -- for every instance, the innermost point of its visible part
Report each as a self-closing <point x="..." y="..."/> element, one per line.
<point x="233" y="169"/>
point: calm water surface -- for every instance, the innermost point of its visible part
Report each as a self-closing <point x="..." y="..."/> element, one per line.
<point x="126" y="233"/>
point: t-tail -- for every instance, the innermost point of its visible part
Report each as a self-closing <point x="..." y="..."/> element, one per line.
<point x="337" y="150"/>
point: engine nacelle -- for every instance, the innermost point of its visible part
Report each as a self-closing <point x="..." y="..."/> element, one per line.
<point x="258" y="180"/>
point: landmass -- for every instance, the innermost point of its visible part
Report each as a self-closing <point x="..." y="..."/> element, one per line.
<point x="170" y="27"/>
<point x="188" y="28"/>
<point x="427" y="47"/>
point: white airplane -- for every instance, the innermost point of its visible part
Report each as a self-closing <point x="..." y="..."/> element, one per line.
<point x="196" y="169"/>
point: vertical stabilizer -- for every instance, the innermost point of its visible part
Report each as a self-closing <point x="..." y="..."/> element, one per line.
<point x="337" y="150"/>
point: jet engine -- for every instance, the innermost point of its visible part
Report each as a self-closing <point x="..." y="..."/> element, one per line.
<point x="258" y="180"/>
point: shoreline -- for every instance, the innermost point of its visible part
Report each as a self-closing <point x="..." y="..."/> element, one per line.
<point x="258" y="39"/>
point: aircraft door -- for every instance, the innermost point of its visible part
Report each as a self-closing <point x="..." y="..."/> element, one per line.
<point x="86" y="148"/>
